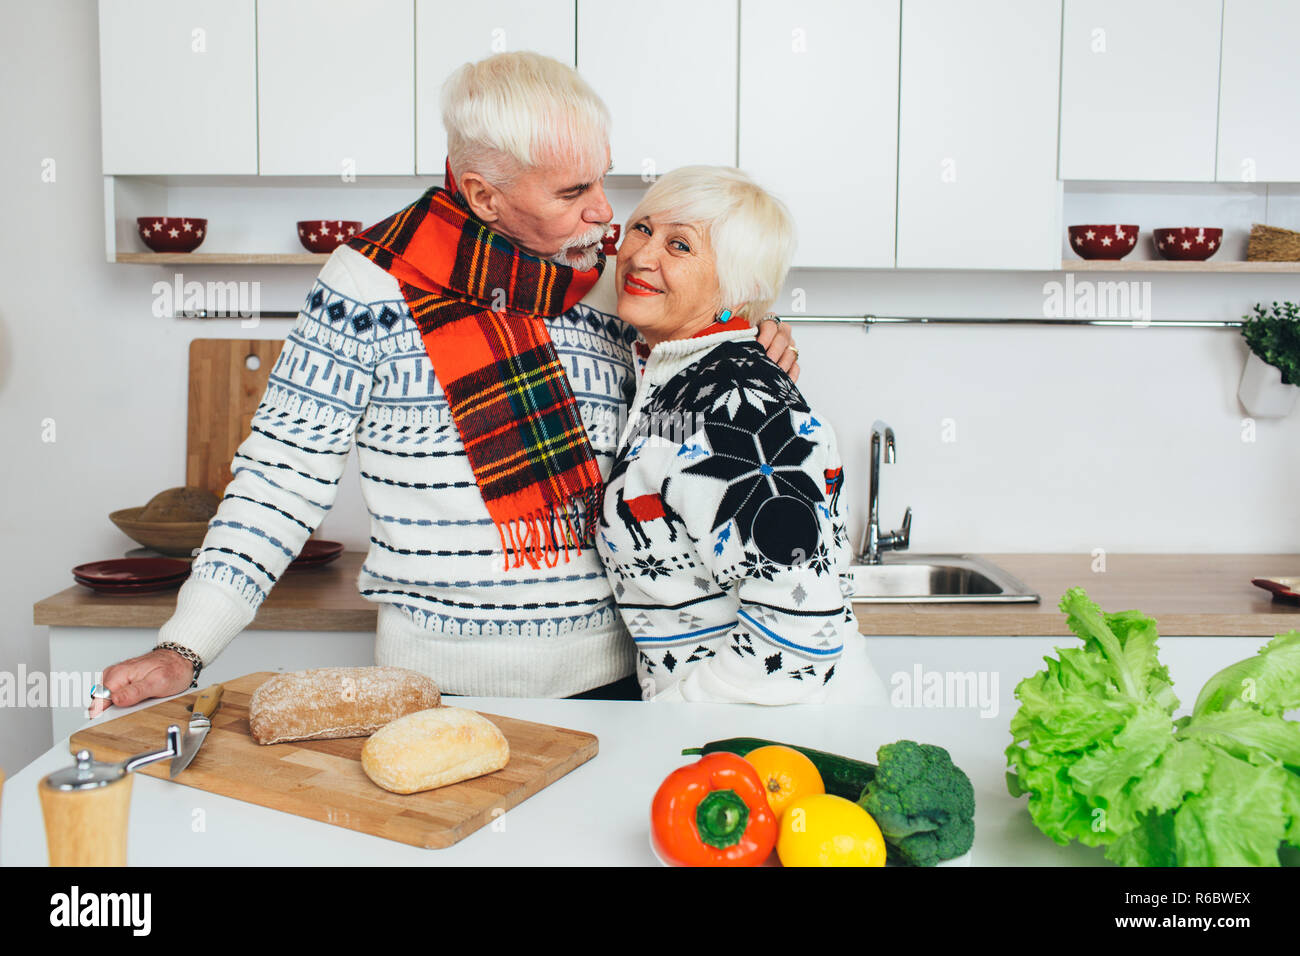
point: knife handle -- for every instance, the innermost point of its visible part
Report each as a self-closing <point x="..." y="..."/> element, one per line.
<point x="206" y="704"/>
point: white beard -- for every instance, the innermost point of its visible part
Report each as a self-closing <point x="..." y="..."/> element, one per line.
<point x="588" y="259"/>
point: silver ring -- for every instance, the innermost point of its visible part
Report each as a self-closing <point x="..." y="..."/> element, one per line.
<point x="100" y="692"/>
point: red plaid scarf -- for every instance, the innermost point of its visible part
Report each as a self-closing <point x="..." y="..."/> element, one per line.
<point x="480" y="303"/>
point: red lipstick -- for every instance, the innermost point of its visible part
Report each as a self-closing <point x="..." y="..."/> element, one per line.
<point x="634" y="286"/>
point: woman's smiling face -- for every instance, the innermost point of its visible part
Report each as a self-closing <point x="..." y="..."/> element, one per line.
<point x="667" y="279"/>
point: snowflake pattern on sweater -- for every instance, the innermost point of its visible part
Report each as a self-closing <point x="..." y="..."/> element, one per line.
<point x="723" y="534"/>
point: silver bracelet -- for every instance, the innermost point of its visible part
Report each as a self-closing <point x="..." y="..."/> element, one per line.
<point x="186" y="653"/>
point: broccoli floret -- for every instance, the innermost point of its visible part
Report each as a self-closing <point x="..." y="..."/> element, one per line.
<point x="922" y="802"/>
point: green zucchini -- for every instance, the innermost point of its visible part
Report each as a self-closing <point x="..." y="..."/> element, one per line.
<point x="841" y="776"/>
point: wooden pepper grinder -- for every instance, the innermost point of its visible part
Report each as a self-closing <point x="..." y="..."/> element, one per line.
<point x="86" y="806"/>
<point x="86" y="809"/>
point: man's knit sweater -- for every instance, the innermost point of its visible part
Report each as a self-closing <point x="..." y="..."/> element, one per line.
<point x="354" y="371"/>
<point x="725" y="537"/>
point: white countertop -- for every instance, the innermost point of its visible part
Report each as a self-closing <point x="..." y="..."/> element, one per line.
<point x="599" y="813"/>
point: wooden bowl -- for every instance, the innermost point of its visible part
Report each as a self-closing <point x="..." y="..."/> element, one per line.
<point x="178" y="538"/>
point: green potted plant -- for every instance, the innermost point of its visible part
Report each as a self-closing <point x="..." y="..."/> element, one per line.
<point x="1271" y="382"/>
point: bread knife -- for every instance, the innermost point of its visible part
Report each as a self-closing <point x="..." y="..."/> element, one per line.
<point x="205" y="705"/>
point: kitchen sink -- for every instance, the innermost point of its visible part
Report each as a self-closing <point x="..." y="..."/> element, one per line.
<point x="903" y="578"/>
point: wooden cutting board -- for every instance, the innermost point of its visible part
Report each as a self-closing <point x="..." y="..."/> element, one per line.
<point x="323" y="779"/>
<point x="224" y="394"/>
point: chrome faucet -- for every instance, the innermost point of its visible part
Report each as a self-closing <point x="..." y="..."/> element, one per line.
<point x="873" y="542"/>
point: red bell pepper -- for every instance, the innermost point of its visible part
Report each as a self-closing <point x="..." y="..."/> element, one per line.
<point x="713" y="813"/>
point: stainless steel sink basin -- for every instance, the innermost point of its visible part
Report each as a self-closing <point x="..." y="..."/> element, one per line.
<point x="903" y="578"/>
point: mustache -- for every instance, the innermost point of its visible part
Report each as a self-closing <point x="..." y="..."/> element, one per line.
<point x="595" y="234"/>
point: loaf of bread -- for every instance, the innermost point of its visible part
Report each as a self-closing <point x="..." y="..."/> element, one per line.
<point x="333" y="702"/>
<point x="433" y="748"/>
<point x="187" y="503"/>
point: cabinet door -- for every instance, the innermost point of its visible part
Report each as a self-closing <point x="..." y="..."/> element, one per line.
<point x="1259" y="92"/>
<point x="667" y="71"/>
<point x="977" y="185"/>
<point x="448" y="35"/>
<point x="819" y="122"/>
<point x="177" y="82"/>
<point x="336" y="87"/>
<point x="1140" y="89"/>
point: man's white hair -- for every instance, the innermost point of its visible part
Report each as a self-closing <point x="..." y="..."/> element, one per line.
<point x="513" y="111"/>
<point x="750" y="231"/>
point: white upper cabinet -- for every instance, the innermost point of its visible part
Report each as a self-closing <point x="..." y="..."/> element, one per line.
<point x="977" y="185"/>
<point x="819" y="122"/>
<point x="667" y="71"/>
<point x="447" y="35"/>
<point x="1259" y="100"/>
<point x="178" y="86"/>
<point x="336" y="87"/>
<point x="1140" y="89"/>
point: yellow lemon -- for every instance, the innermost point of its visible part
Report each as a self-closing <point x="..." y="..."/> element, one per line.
<point x="826" y="830"/>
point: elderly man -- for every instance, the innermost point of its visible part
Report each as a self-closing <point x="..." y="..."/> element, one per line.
<point x="467" y="345"/>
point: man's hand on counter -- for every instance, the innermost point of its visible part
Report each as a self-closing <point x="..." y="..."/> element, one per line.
<point x="160" y="673"/>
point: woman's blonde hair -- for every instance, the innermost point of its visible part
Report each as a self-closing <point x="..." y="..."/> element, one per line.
<point x="749" y="230"/>
<point x="513" y="111"/>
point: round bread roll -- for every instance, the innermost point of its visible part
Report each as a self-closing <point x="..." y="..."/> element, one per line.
<point x="432" y="748"/>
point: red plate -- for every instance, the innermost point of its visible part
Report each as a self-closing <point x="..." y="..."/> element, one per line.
<point x="1283" y="588"/>
<point x="315" y="553"/>
<point x="132" y="571"/>
<point x="96" y="582"/>
<point x="133" y="588"/>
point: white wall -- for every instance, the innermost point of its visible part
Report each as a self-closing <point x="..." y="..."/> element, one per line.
<point x="1067" y="439"/>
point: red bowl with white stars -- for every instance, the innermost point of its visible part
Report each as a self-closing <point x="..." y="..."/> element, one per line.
<point x="609" y="245"/>
<point x="1188" y="243"/>
<point x="326" y="235"/>
<point x="1103" y="242"/>
<point x="171" y="233"/>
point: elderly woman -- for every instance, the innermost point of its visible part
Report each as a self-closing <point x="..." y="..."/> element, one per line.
<point x="723" y="531"/>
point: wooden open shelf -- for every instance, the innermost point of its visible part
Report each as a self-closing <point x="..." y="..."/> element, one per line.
<point x="1072" y="265"/>
<point x="1167" y="265"/>
<point x="224" y="258"/>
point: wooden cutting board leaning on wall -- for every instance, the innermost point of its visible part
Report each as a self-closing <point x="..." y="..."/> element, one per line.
<point x="224" y="394"/>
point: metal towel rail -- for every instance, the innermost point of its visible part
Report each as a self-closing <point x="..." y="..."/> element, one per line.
<point x="226" y="314"/>
<point x="868" y="320"/>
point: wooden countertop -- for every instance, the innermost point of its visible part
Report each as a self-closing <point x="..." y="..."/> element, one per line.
<point x="1187" y="594"/>
<point x="312" y="599"/>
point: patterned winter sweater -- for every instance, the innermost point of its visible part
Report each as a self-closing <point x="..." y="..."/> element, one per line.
<point x="722" y="529"/>
<point x="354" y="372"/>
